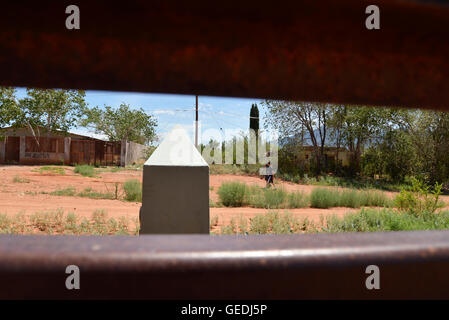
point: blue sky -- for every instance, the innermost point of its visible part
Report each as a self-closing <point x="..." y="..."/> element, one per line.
<point x="226" y="115"/>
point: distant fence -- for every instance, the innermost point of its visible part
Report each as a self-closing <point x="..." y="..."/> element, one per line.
<point x="132" y="153"/>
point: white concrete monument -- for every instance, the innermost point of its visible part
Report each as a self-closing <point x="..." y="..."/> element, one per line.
<point x="175" y="191"/>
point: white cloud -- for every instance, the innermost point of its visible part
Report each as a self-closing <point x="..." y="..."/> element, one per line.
<point x="162" y="111"/>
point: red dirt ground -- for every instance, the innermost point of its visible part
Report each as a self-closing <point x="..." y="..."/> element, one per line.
<point x="26" y="197"/>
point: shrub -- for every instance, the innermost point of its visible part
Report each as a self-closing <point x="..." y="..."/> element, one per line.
<point x="350" y="198"/>
<point x="327" y="198"/>
<point x="370" y="220"/>
<point x="214" y="221"/>
<point x="324" y="198"/>
<point x="48" y="221"/>
<point x="419" y="199"/>
<point x="18" y="179"/>
<point x="297" y="200"/>
<point x="232" y="194"/>
<point x="266" y="198"/>
<point x="85" y="170"/>
<point x="277" y="223"/>
<point x="69" y="191"/>
<point x="260" y="224"/>
<point x="51" y="170"/>
<point x="133" y="190"/>
<point x="375" y="199"/>
<point x="89" y="193"/>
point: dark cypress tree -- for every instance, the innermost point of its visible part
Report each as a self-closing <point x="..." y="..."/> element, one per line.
<point x="254" y="125"/>
<point x="254" y="118"/>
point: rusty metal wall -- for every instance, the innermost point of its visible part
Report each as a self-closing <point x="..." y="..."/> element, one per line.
<point x="12" y="149"/>
<point x="412" y="265"/>
<point x="82" y="152"/>
<point x="106" y="153"/>
<point x="304" y="50"/>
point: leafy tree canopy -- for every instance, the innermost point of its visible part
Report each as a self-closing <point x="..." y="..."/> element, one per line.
<point x="54" y="109"/>
<point x="122" y="123"/>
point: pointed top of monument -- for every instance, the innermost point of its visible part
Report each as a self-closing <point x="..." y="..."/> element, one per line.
<point x="176" y="150"/>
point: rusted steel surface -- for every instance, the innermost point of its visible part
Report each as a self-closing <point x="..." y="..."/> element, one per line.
<point x="412" y="265"/>
<point x="308" y="50"/>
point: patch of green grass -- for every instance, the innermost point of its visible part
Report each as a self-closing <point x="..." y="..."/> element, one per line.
<point x="18" y="179"/>
<point x="133" y="190"/>
<point x="373" y="198"/>
<point x="297" y="200"/>
<point x="266" y="198"/>
<point x="323" y="198"/>
<point x="85" y="170"/>
<point x="362" y="183"/>
<point x="68" y="192"/>
<point x="50" y="170"/>
<point x="270" y="223"/>
<point x="232" y="194"/>
<point x="89" y="193"/>
<point x="327" y="198"/>
<point x="277" y="223"/>
<point x="56" y="222"/>
<point x="371" y="220"/>
<point x="236" y="194"/>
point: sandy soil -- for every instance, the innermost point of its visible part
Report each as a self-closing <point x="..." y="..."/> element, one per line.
<point x="26" y="197"/>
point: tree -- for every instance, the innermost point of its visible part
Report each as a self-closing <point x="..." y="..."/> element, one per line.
<point x="254" y="118"/>
<point x="254" y="125"/>
<point x="336" y="122"/>
<point x="362" y="125"/>
<point x="53" y="109"/>
<point x="429" y="131"/>
<point x="293" y="118"/>
<point x="8" y="106"/>
<point x="122" y="123"/>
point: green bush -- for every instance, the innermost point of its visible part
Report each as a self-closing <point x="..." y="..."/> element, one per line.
<point x="232" y="194"/>
<point x="19" y="179"/>
<point x="371" y="220"/>
<point x="85" y="170"/>
<point x="51" y="170"/>
<point x="297" y="200"/>
<point x="373" y="198"/>
<point x="133" y="190"/>
<point x="350" y="198"/>
<point x="277" y="223"/>
<point x="89" y="193"/>
<point x="68" y="192"/>
<point x="419" y="199"/>
<point x="327" y="198"/>
<point x="324" y="198"/>
<point x="266" y="198"/>
<point x="274" y="198"/>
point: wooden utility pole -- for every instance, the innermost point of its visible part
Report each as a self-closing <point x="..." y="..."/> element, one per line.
<point x="196" y="121"/>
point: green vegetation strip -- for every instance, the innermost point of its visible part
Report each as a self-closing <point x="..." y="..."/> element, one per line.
<point x="50" y="170"/>
<point x="57" y="222"/>
<point x="366" y="220"/>
<point x="236" y="194"/>
<point x="132" y="190"/>
<point x="85" y="170"/>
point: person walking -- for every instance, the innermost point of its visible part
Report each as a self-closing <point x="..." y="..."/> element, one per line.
<point x="269" y="175"/>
